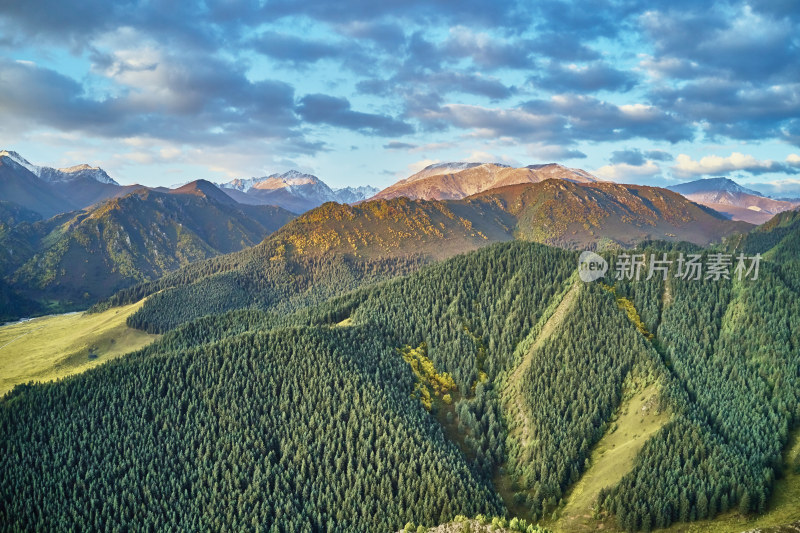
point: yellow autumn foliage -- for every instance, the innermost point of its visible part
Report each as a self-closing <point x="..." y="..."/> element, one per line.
<point x="430" y="383"/>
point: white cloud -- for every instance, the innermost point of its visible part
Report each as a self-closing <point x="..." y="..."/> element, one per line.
<point x="496" y="122"/>
<point x="789" y="188"/>
<point x="621" y="172"/>
<point x="685" y="166"/>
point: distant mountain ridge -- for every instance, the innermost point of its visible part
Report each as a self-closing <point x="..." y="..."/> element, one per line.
<point x="52" y="191"/>
<point x="78" y="258"/>
<point x="54" y="175"/>
<point x="339" y="246"/>
<point x="293" y="190"/>
<point x="733" y="200"/>
<point x="554" y="211"/>
<point x="455" y="181"/>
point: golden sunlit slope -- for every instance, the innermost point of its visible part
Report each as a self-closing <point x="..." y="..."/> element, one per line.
<point x="580" y="216"/>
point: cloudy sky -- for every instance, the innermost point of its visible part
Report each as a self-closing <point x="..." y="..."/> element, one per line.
<point x="366" y="92"/>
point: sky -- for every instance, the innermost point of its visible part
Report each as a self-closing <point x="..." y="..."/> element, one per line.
<point x="367" y="92"/>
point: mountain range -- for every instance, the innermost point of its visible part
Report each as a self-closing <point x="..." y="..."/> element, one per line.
<point x="74" y="259"/>
<point x="292" y="190"/>
<point x="52" y="191"/>
<point x="454" y="181"/>
<point x="335" y="246"/>
<point x="730" y="198"/>
<point x="491" y="384"/>
<point x="424" y="361"/>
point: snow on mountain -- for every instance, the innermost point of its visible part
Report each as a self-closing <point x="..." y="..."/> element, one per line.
<point x="289" y="179"/>
<point x="60" y="175"/>
<point x="730" y="198"/>
<point x="351" y="195"/>
<point x="21" y="161"/>
<point x="292" y="190"/>
<point x="712" y="185"/>
<point x="54" y="175"/>
<point x="454" y="181"/>
<point x="444" y="168"/>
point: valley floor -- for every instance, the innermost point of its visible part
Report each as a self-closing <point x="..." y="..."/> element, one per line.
<point x="56" y="346"/>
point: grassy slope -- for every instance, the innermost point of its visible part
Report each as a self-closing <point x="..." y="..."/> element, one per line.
<point x="637" y="420"/>
<point x="53" y="347"/>
<point x="515" y="406"/>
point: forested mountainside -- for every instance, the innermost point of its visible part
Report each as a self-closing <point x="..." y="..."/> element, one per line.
<point x="336" y="247"/>
<point x="75" y="259"/>
<point x="521" y="364"/>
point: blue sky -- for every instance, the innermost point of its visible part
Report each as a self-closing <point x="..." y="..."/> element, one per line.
<point x="368" y="92"/>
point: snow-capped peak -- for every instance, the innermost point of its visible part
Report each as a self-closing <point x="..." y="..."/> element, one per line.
<point x="447" y="168"/>
<point x="713" y="185"/>
<point x="300" y="185"/>
<point x="351" y="195"/>
<point x="76" y="172"/>
<point x="21" y="161"/>
<point x="52" y="175"/>
<point x="292" y="178"/>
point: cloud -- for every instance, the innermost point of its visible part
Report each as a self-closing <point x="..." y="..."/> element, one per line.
<point x="596" y="76"/>
<point x="494" y="122"/>
<point x="387" y="35"/>
<point x="744" y="45"/>
<point x="416" y="166"/>
<point x="562" y="46"/>
<point x="334" y="111"/>
<point x="482" y="156"/>
<point x="550" y="76"/>
<point x="204" y="101"/>
<point x="786" y="188"/>
<point x="733" y="109"/>
<point x="637" y="157"/>
<point x="397" y="145"/>
<point x="590" y="118"/>
<point x="293" y="49"/>
<point x="486" y="51"/>
<point x="624" y="172"/>
<point x="549" y="152"/>
<point x="471" y="12"/>
<point x="736" y="162"/>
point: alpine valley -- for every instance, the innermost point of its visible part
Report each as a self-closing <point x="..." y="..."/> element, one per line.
<point x="271" y="354"/>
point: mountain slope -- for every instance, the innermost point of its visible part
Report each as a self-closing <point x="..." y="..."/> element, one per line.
<point x="12" y="214"/>
<point x="584" y="216"/>
<point x="728" y="197"/>
<point x="277" y="404"/>
<point x="395" y="227"/>
<point x="454" y="181"/>
<point x="19" y="185"/>
<point x="50" y="191"/>
<point x="338" y="247"/>
<point x="82" y="257"/>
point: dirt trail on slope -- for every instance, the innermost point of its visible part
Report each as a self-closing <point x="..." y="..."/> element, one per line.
<point x="515" y="405"/>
